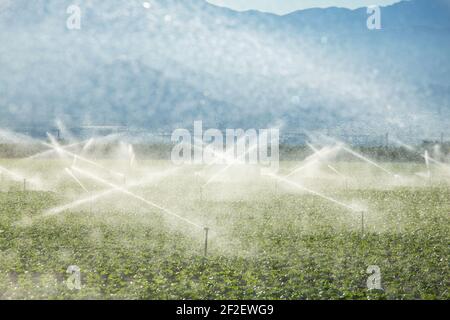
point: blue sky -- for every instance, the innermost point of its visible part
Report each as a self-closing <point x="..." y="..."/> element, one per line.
<point x="286" y="6"/>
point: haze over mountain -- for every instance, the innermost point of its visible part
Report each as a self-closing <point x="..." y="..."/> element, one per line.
<point x="178" y="61"/>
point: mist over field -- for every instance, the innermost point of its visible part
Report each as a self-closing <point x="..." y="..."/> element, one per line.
<point x="164" y="65"/>
<point x="178" y="150"/>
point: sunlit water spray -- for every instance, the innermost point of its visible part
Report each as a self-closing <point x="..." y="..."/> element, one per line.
<point x="131" y="194"/>
<point x="88" y="144"/>
<point x="51" y="151"/>
<point x="131" y="155"/>
<point x="18" y="178"/>
<point x="94" y="197"/>
<point x="369" y="161"/>
<point x="314" y="159"/>
<point x="426" y="156"/>
<point x="316" y="193"/>
<point x="234" y="161"/>
<point x="70" y="173"/>
<point x="321" y="157"/>
<point x="83" y="159"/>
<point x="296" y="185"/>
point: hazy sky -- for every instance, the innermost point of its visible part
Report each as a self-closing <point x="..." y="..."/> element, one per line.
<point x="286" y="6"/>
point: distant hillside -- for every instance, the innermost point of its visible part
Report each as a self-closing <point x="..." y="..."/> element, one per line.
<point x="179" y="61"/>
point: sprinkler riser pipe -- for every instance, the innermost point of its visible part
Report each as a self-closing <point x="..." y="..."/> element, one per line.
<point x="206" y="241"/>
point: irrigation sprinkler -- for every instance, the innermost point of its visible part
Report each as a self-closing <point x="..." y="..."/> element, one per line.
<point x="426" y="156"/>
<point x="18" y="178"/>
<point x="427" y="164"/>
<point x="90" y="203"/>
<point x="362" y="224"/>
<point x="199" y="183"/>
<point x="206" y="240"/>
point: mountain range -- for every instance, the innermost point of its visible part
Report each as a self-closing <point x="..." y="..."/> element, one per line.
<point x="164" y="64"/>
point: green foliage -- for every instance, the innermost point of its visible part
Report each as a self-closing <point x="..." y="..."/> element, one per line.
<point x="279" y="246"/>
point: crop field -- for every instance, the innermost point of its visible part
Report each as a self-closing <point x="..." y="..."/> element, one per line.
<point x="141" y="236"/>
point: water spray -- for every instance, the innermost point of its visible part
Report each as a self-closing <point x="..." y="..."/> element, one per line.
<point x="313" y="159"/>
<point x="77" y="157"/>
<point x="131" y="194"/>
<point x="299" y="186"/>
<point x="70" y="173"/>
<point x="427" y="163"/>
<point x="16" y="177"/>
<point x="329" y="166"/>
<point x="426" y="156"/>
<point x="226" y="156"/>
<point x="373" y="163"/>
<point x="47" y="152"/>
<point x="233" y="162"/>
<point x="88" y="144"/>
<point x="92" y="198"/>
<point x="303" y="167"/>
